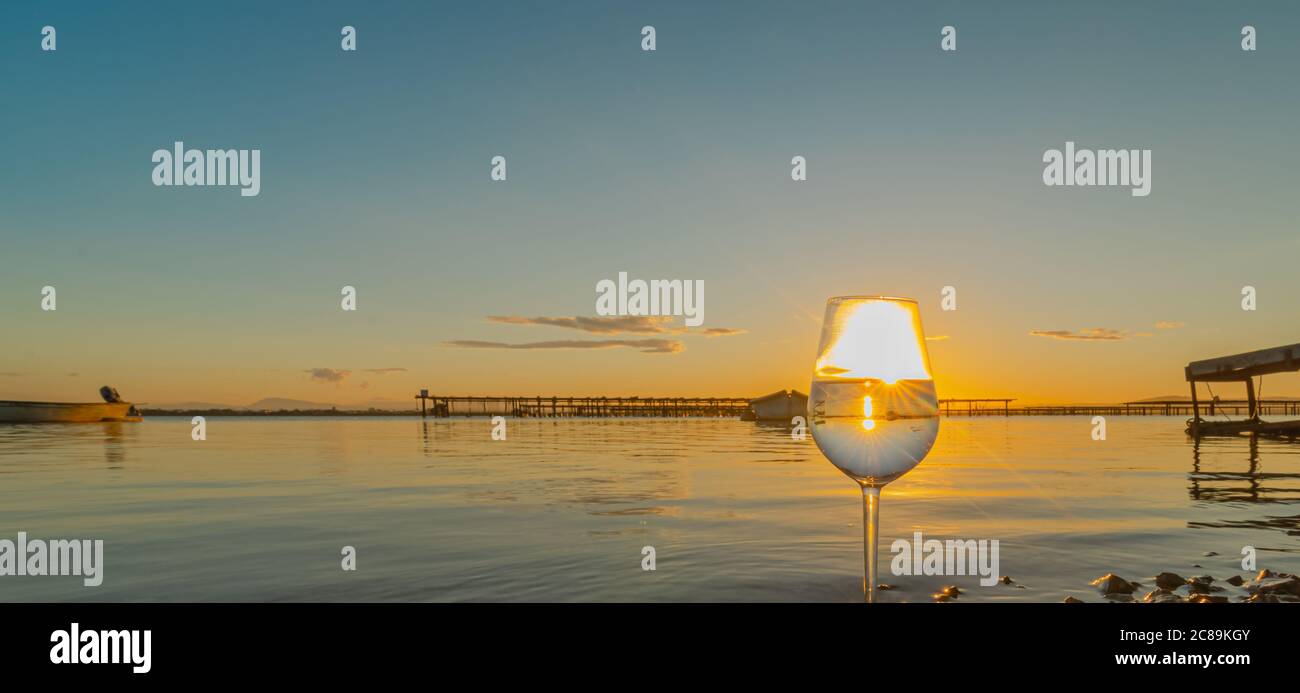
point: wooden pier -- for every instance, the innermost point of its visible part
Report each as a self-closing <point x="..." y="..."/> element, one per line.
<point x="977" y="406"/>
<point x="443" y="406"/>
<point x="1173" y="407"/>
<point x="1243" y="368"/>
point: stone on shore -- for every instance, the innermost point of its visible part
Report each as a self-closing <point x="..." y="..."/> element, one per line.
<point x="1279" y="586"/>
<point x="1170" y="581"/>
<point x="1111" y="583"/>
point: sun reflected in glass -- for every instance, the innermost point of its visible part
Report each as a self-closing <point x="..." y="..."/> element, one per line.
<point x="880" y="340"/>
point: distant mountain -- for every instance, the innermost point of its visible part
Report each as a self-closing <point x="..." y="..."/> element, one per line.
<point x="274" y="403"/>
<point x="385" y="404"/>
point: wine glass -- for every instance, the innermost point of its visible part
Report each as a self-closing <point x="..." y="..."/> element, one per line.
<point x="873" y="406"/>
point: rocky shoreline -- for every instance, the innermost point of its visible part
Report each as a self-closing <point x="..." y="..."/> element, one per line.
<point x="1266" y="587"/>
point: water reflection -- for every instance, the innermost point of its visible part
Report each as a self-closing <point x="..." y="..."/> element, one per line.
<point x="426" y="438"/>
<point x="1214" y="479"/>
<point x="114" y="445"/>
<point x="1221" y="475"/>
<point x="608" y="468"/>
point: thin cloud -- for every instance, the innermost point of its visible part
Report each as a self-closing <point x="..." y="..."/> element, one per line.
<point x="615" y="324"/>
<point x="328" y="375"/>
<point x="937" y="338"/>
<point x="1090" y="334"/>
<point x="10" y="374"/>
<point x="646" y="346"/>
<point x="383" y="371"/>
<point x="1169" y="325"/>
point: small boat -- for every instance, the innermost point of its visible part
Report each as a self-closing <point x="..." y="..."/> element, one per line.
<point x="111" y="409"/>
<point x="781" y="405"/>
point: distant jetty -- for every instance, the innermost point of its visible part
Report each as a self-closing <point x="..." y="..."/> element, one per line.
<point x="1146" y="407"/>
<point x="568" y="407"/>
<point x="727" y="407"/>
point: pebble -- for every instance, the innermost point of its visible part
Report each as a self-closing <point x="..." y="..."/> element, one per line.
<point x="1169" y="581"/>
<point x="1279" y="586"/>
<point x="1202" y="588"/>
<point x="1201" y="584"/>
<point x="1111" y="583"/>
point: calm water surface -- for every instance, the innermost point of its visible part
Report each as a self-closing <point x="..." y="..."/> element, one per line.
<point x="561" y="510"/>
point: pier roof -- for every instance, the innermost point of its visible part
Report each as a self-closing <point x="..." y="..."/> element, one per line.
<point x="779" y="394"/>
<point x="1243" y="366"/>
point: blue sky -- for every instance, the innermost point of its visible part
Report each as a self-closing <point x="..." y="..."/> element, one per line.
<point x="924" y="171"/>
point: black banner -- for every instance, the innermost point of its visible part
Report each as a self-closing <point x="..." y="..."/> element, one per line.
<point x="232" y="642"/>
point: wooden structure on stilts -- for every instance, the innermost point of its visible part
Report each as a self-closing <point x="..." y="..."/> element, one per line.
<point x="564" y="407"/>
<point x="1242" y="368"/>
<point x="977" y="406"/>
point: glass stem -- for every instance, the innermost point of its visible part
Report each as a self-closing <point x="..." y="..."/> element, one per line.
<point x="870" y="540"/>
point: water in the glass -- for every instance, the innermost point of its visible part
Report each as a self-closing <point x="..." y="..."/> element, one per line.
<point x="873" y="449"/>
